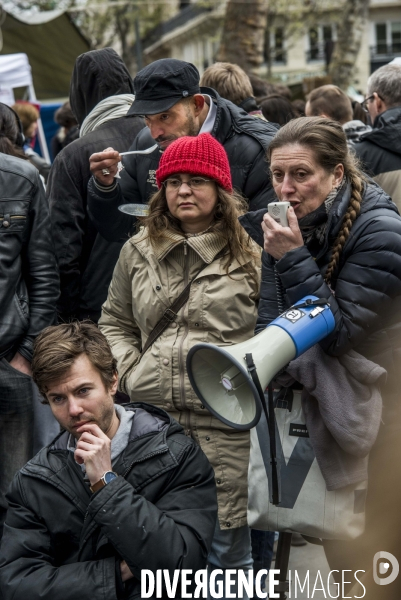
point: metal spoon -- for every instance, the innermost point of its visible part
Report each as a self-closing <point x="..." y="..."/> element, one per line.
<point x="147" y="151"/>
<point x="137" y="210"/>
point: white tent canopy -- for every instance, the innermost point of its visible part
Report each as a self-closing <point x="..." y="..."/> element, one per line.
<point x="15" y="71"/>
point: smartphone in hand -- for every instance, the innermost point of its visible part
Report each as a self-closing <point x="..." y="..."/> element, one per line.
<point x="278" y="212"/>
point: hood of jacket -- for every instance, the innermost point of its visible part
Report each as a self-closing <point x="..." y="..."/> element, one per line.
<point x="386" y="132"/>
<point x="374" y="197"/>
<point x="97" y="75"/>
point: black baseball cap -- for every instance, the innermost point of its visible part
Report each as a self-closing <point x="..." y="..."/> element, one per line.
<point x="162" y="84"/>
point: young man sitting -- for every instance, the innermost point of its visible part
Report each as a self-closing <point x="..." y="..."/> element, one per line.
<point x="119" y="490"/>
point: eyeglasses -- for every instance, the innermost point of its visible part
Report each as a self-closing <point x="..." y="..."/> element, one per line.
<point x="195" y="183"/>
<point x="364" y="104"/>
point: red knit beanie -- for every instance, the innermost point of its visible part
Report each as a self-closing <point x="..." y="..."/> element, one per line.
<point x="201" y="155"/>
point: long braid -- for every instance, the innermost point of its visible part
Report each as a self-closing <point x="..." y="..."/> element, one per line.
<point x="353" y="210"/>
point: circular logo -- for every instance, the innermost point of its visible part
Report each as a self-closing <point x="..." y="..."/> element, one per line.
<point x="294" y="315"/>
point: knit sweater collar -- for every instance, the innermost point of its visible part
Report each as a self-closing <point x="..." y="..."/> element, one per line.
<point x="207" y="244"/>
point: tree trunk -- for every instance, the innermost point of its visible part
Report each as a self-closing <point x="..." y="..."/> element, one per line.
<point x="243" y="35"/>
<point x="349" y="37"/>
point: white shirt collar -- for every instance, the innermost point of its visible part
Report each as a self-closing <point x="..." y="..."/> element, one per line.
<point x="208" y="124"/>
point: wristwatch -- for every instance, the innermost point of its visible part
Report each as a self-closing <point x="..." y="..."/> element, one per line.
<point x="107" y="477"/>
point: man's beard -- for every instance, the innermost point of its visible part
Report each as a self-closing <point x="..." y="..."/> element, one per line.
<point x="191" y="130"/>
<point x="103" y="421"/>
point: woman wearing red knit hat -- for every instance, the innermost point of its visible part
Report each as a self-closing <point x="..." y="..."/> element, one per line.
<point x="192" y="234"/>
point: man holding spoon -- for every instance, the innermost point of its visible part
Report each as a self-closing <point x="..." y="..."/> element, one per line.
<point x="168" y="95"/>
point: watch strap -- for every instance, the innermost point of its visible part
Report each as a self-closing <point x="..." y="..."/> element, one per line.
<point x="101" y="483"/>
<point x="97" y="486"/>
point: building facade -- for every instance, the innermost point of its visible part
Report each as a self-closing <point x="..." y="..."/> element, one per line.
<point x="296" y="48"/>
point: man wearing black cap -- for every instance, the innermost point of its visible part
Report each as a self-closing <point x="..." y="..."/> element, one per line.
<point x="167" y="93"/>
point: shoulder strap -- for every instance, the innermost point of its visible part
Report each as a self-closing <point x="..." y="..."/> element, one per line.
<point x="170" y="314"/>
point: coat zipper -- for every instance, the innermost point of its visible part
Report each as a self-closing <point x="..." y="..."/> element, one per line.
<point x="181" y="366"/>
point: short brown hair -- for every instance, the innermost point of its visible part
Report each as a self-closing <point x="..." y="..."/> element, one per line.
<point x="58" y="346"/>
<point x="331" y="101"/>
<point x="229" y="80"/>
<point x="28" y="114"/>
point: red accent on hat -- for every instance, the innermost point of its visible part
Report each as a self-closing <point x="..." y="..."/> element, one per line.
<point x="200" y="155"/>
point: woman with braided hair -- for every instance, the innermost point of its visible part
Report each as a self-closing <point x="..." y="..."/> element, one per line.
<point x="343" y="243"/>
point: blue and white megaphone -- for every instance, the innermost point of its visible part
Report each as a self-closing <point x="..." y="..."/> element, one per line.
<point x="221" y="376"/>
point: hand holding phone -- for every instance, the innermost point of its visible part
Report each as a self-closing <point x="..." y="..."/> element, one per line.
<point x="280" y="240"/>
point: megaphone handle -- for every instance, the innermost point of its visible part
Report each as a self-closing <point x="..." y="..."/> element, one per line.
<point x="271" y="423"/>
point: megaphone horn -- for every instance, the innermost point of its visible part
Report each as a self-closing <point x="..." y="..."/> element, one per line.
<point x="220" y="375"/>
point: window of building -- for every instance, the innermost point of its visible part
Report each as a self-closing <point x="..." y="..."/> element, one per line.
<point x="396" y="36"/>
<point x="319" y="37"/>
<point x="381" y="38"/>
<point x="387" y="38"/>
<point x="279" y="55"/>
<point x="275" y="46"/>
<point x="313" y="43"/>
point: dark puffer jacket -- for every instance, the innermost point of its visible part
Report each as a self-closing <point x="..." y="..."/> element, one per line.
<point x="29" y="284"/>
<point x="366" y="300"/>
<point x="245" y="140"/>
<point x="63" y="543"/>
<point x="380" y="152"/>
<point x="86" y="260"/>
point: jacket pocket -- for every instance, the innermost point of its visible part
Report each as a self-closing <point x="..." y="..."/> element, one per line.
<point x="10" y="223"/>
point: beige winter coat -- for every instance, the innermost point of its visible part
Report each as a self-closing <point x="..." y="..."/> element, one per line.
<point x="221" y="310"/>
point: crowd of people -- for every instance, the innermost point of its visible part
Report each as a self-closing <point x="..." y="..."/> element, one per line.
<point x="153" y="235"/>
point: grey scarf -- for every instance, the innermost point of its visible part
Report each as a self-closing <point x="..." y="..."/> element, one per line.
<point x="113" y="107"/>
<point x="314" y="225"/>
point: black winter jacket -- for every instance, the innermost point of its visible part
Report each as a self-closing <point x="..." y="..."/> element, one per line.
<point x="85" y="259"/>
<point x="63" y="543"/>
<point x="29" y="284"/>
<point x="380" y="152"/>
<point x="245" y="140"/>
<point x="366" y="300"/>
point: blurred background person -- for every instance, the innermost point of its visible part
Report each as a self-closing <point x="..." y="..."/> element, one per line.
<point x="191" y="236"/>
<point x="331" y="102"/>
<point x="232" y="83"/>
<point x="260" y="87"/>
<point x="380" y="149"/>
<point x="299" y="107"/>
<point x="282" y="90"/>
<point x="69" y="128"/>
<point x="277" y="109"/>
<point x="11" y="133"/>
<point x="359" y="114"/>
<point x="29" y="115"/>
